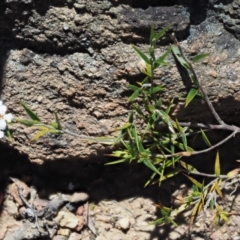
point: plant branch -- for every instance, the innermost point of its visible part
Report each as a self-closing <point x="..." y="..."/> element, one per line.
<point x="205" y="96"/>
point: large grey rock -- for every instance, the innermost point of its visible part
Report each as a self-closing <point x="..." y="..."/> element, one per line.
<point x="75" y="57"/>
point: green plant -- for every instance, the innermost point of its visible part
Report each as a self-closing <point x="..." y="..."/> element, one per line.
<point x="154" y="138"/>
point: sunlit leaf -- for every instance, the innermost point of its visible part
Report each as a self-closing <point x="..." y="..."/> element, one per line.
<point x="217" y="168"/>
<point x="125" y="126"/>
<point x="106" y="140"/>
<point x="30" y="113"/>
<point x="216" y="186"/>
<point x="134" y="96"/>
<point x="205" y="138"/>
<point x="179" y="57"/>
<point x="233" y="173"/>
<point x="27" y="122"/>
<point x="171" y="174"/>
<point x="156" y="89"/>
<point x="138" y="110"/>
<point x="199" y="57"/>
<point x="224" y="217"/>
<point x="160" y="60"/>
<point x="40" y="134"/>
<point x="194" y="181"/>
<point x="194" y="213"/>
<point x="133" y="87"/>
<point x="149" y="164"/>
<point x="188" y="167"/>
<point x="184" y="140"/>
<point x="142" y="55"/>
<point x="152" y="35"/>
<point x="192" y="93"/>
<point x="162" y="32"/>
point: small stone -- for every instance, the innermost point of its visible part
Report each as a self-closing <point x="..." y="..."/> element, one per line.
<point x="65" y="27"/>
<point x="67" y="219"/>
<point x="64" y="232"/>
<point x="79" y="197"/>
<point x="123" y="223"/>
<point x="213" y="73"/>
<point x="236" y="237"/>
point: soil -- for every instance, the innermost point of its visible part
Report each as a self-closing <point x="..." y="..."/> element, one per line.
<point x="119" y="206"/>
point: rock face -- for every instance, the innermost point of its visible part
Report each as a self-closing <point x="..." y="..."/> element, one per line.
<point x="75" y="57"/>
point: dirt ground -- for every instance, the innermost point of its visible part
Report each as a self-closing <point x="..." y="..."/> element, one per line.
<point x="115" y="203"/>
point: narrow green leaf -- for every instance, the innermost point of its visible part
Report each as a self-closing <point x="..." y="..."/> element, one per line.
<point x="142" y="55"/>
<point x="192" y="93"/>
<point x="160" y="60"/>
<point x="30" y="113"/>
<point x="149" y="164"/>
<point x="162" y="32"/>
<point x="27" y="122"/>
<point x="148" y="70"/>
<point x="40" y="134"/>
<point x="156" y="89"/>
<point x="133" y="87"/>
<point x="205" y="138"/>
<point x="217" y="168"/>
<point x="131" y="118"/>
<point x="212" y="204"/>
<point x="117" y="162"/>
<point x="194" y="181"/>
<point x="188" y="167"/>
<point x="107" y="140"/>
<point x="217" y="188"/>
<point x="138" y="110"/>
<point x="134" y="96"/>
<point x="159" y="103"/>
<point x="184" y="141"/>
<point x="152" y="35"/>
<point x="8" y="134"/>
<point x="59" y="127"/>
<point x="199" y="57"/>
<point x="125" y="126"/>
<point x="177" y="54"/>
<point x="194" y="213"/>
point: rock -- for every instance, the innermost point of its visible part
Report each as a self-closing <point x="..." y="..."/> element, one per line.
<point x="13" y="191"/>
<point x="81" y="59"/>
<point x="123" y="224"/>
<point x="67" y="219"/>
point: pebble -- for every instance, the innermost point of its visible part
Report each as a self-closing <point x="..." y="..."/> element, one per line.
<point x="79" y="197"/>
<point x="67" y="219"/>
<point x="123" y="223"/>
<point x="213" y="73"/>
<point x="64" y="231"/>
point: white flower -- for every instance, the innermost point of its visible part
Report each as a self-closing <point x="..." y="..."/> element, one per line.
<point x="4" y="118"/>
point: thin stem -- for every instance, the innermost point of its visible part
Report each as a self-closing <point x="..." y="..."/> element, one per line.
<point x="205" y="96"/>
<point x="216" y="145"/>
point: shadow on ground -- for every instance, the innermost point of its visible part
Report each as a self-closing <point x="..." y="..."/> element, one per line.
<point x="116" y="182"/>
